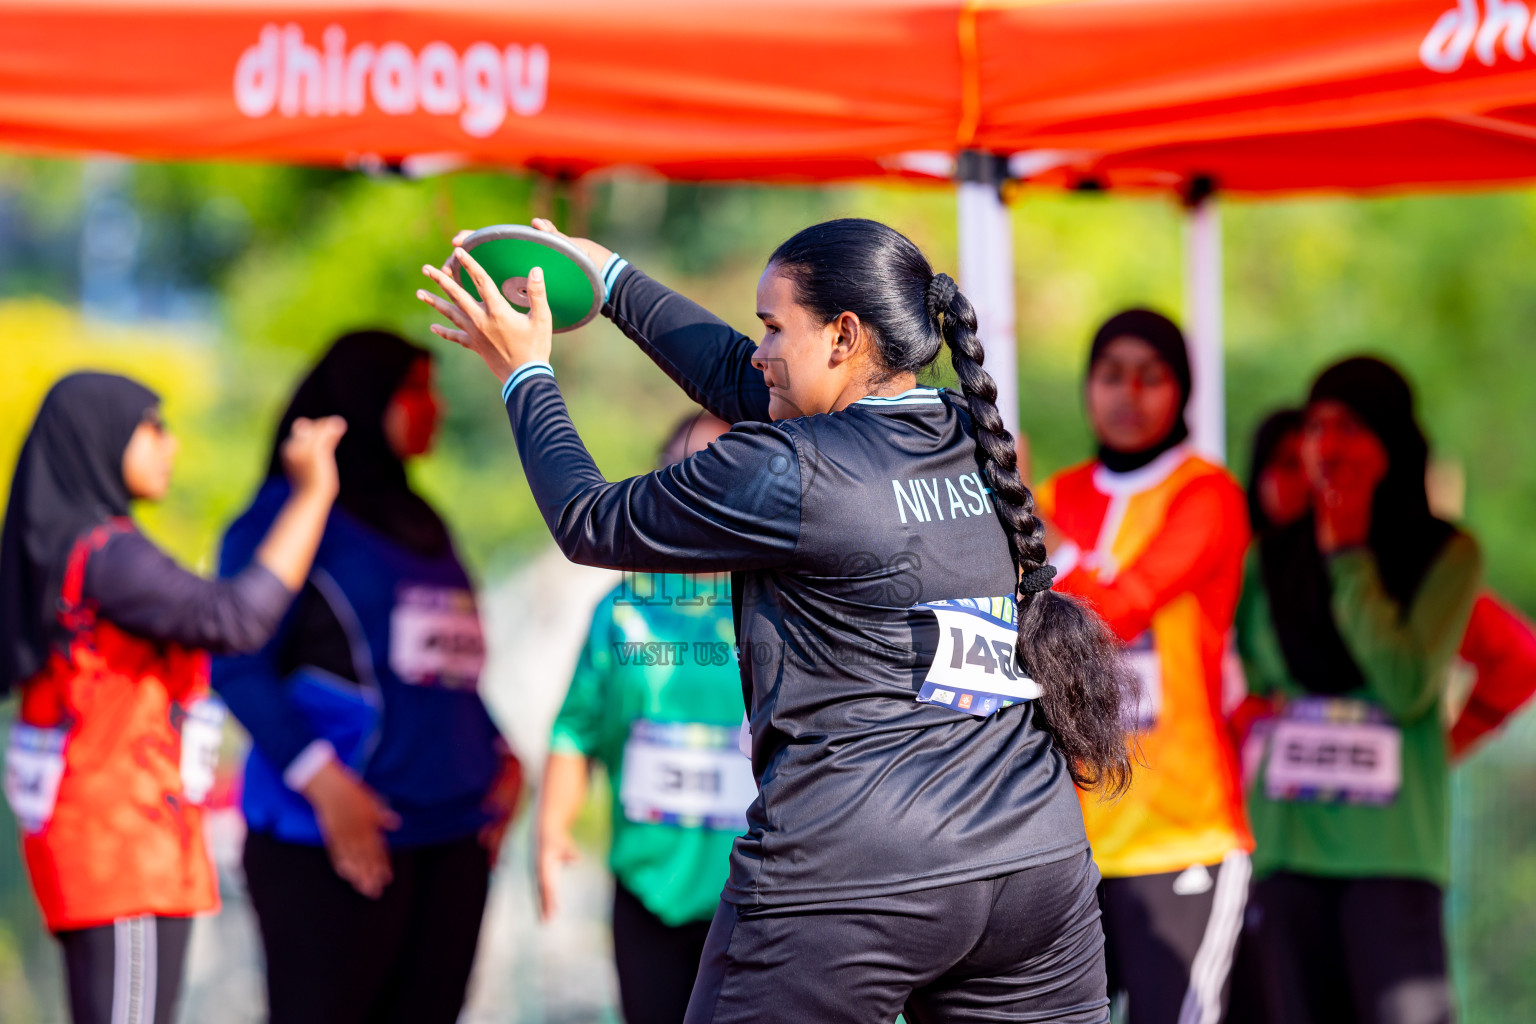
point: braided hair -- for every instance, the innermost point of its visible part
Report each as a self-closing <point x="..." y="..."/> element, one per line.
<point x="872" y="270"/>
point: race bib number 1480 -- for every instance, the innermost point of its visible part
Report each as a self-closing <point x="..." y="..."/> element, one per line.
<point x="974" y="668"/>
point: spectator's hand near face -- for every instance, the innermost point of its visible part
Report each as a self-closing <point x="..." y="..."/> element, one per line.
<point x="1344" y="462"/>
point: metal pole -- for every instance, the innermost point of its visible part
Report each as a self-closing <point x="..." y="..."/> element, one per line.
<point x="1203" y="316"/>
<point x="986" y="271"/>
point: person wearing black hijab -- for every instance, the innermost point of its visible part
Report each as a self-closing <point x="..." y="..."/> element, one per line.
<point x="1134" y="425"/>
<point x="1278" y="492"/>
<point x="378" y="787"/>
<point x="1364" y="600"/>
<point x="358" y="378"/>
<point x="1154" y="539"/>
<point x="106" y="639"/>
<point x="1278" y="495"/>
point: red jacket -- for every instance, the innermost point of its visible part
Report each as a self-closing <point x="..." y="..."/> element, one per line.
<point x="1501" y="645"/>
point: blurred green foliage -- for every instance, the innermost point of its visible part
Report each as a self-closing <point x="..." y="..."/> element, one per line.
<point x="1439" y="285"/>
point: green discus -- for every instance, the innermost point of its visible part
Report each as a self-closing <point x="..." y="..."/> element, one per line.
<point x="509" y="251"/>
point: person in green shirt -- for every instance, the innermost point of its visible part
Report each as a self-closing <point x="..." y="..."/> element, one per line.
<point x="1356" y="611"/>
<point x="656" y="700"/>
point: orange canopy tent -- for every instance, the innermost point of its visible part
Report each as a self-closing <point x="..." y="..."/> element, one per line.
<point x="1260" y="94"/>
<point x="1256" y="95"/>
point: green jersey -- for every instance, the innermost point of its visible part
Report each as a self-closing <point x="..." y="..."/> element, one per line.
<point x="1357" y="785"/>
<point x="656" y="699"/>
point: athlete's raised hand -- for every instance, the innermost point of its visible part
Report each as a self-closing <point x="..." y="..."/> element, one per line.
<point x="491" y="328"/>
<point x="598" y="254"/>
<point x="353" y="820"/>
<point x="309" y="454"/>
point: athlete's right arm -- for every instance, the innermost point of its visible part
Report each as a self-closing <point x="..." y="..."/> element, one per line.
<point x="733" y="506"/>
<point x="707" y="357"/>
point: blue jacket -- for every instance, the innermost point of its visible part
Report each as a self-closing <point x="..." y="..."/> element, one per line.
<point x="411" y="723"/>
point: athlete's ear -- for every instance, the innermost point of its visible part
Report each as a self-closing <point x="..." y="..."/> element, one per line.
<point x="847" y="336"/>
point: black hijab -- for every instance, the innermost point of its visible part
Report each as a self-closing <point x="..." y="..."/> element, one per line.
<point x="1277" y="426"/>
<point x="69" y="479"/>
<point x="355" y="379"/>
<point x="1405" y="538"/>
<point x="1164" y="336"/>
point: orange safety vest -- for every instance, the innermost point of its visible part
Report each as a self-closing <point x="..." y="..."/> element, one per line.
<point x="1161" y="559"/>
<point x="95" y="770"/>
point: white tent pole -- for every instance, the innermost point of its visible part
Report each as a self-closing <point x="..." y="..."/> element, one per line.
<point x="1202" y="317"/>
<point x="986" y="272"/>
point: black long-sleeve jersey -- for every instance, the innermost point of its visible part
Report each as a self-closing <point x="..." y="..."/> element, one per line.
<point x="833" y="527"/>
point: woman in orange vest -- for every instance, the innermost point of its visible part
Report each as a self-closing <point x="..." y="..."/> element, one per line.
<point x="1153" y="538"/>
<point x="116" y="737"/>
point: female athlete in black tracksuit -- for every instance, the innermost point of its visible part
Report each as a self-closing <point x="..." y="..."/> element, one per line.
<point x="916" y="845"/>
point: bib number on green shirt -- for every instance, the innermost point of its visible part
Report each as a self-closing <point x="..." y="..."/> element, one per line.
<point x="686" y="774"/>
<point x="1334" y="750"/>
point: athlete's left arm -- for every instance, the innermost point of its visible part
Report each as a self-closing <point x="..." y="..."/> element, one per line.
<point x="733" y="506"/>
<point x="139" y="588"/>
<point x="1206" y="530"/>
<point x="1403" y="657"/>
<point x="707" y="357"/>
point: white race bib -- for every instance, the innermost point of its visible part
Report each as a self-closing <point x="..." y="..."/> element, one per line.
<point x="973" y="669"/>
<point x="1144" y="660"/>
<point x="34" y="766"/>
<point x="1330" y="750"/>
<point x="685" y="773"/>
<point x="435" y="637"/>
<point x="202" y="734"/>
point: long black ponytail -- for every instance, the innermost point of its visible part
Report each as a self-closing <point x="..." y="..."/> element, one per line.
<point x="869" y="269"/>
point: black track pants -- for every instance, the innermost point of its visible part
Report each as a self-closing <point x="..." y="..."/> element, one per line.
<point x="1024" y="947"/>
<point x="335" y="956"/>
<point x="657" y="962"/>
<point x="1170" y="938"/>
<point x="126" y="972"/>
<point x="1351" y="951"/>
